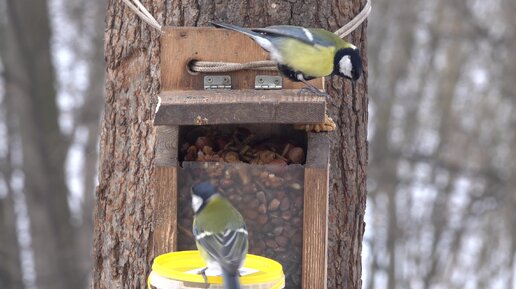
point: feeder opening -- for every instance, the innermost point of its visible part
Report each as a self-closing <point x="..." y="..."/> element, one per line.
<point x="252" y="168"/>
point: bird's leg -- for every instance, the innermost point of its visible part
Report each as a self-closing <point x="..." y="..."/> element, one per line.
<point x="311" y="88"/>
<point x="203" y="274"/>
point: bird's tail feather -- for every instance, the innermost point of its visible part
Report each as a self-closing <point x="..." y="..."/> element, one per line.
<point x="231" y="281"/>
<point x="246" y="31"/>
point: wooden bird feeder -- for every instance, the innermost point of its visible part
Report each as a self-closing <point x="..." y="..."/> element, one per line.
<point x="286" y="220"/>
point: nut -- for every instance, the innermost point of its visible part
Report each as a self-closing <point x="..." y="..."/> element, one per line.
<point x="231" y="157"/>
<point x="266" y="156"/>
<point x="203" y="141"/>
<point x="262" y="209"/>
<point x="262" y="219"/>
<point x="274" y="205"/>
<point x="285" y="204"/>
<point x="296" y="155"/>
<point x="278" y="166"/>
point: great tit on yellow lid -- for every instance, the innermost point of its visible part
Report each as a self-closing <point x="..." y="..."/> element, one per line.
<point x="305" y="53"/>
<point x="220" y="233"/>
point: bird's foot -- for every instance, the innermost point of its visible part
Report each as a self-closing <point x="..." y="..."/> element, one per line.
<point x="312" y="90"/>
<point x="203" y="274"/>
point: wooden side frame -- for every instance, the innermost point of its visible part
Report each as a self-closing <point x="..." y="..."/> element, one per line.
<point x="315" y="212"/>
<point x="165" y="198"/>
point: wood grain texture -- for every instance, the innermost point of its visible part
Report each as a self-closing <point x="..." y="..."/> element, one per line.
<point x="318" y="153"/>
<point x="239" y="106"/>
<point x="315" y="230"/>
<point x="165" y="210"/>
<point x="180" y="45"/>
<point x="315" y="212"/>
<point x="166" y="145"/>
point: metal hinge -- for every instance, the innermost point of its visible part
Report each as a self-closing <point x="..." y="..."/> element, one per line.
<point x="268" y="82"/>
<point x="217" y="82"/>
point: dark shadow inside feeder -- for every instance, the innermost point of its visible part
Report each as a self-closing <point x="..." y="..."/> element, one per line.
<point x="269" y="195"/>
<point x="255" y="144"/>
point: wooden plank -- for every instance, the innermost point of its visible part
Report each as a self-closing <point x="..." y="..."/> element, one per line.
<point x="165" y="198"/>
<point x="315" y="212"/>
<point x="166" y="146"/>
<point x="242" y="106"/>
<point x="180" y="45"/>
<point x="315" y="229"/>
<point x="165" y="210"/>
<point x="318" y="153"/>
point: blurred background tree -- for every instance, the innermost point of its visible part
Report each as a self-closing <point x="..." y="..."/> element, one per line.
<point x="51" y="95"/>
<point x="442" y="142"/>
<point x="442" y="145"/>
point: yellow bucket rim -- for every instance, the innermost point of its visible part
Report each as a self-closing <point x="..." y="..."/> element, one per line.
<point x="173" y="265"/>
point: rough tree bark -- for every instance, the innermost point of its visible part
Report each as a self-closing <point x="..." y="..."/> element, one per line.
<point x="122" y="243"/>
<point x="123" y="228"/>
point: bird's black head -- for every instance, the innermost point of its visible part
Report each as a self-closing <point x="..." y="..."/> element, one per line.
<point x="201" y="193"/>
<point x="348" y="63"/>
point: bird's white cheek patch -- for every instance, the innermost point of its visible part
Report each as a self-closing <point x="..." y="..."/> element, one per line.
<point x="345" y="66"/>
<point x="196" y="203"/>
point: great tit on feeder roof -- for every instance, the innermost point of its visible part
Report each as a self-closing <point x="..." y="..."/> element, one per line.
<point x="305" y="53"/>
<point x="220" y="233"/>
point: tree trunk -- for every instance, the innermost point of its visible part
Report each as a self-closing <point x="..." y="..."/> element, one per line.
<point x="10" y="267"/>
<point x="123" y="228"/>
<point x="122" y="241"/>
<point x="89" y="117"/>
<point x="29" y="83"/>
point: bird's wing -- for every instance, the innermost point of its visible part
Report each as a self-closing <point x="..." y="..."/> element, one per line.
<point x="296" y="32"/>
<point x="228" y="248"/>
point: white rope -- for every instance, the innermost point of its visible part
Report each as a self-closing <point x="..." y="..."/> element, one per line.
<point x="355" y="22"/>
<point x="144" y="14"/>
<point x="207" y="66"/>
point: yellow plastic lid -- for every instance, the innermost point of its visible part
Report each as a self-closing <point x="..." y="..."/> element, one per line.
<point x="174" y="265"/>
